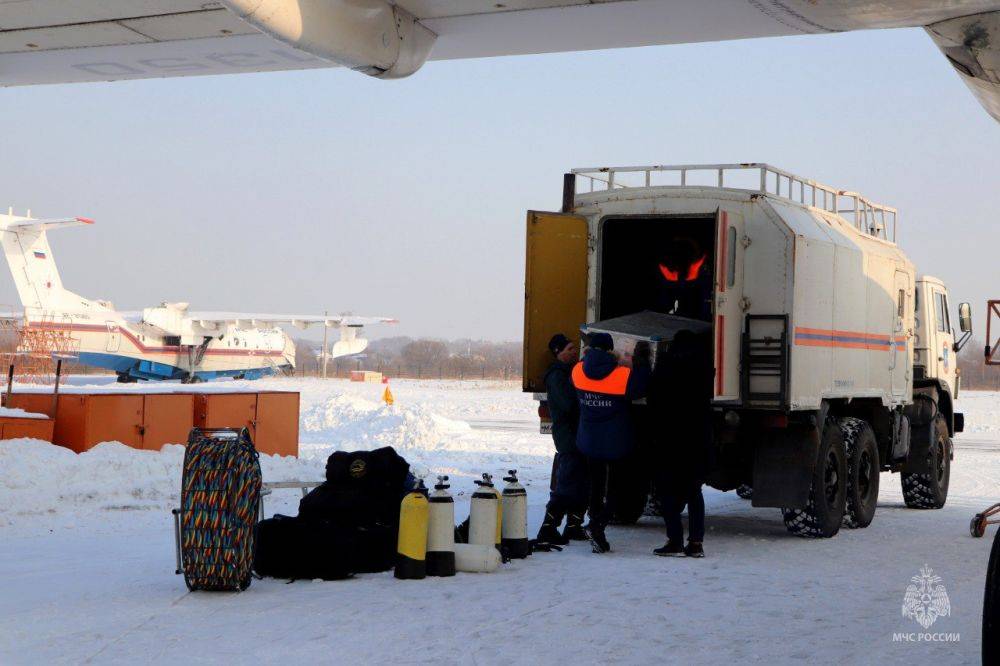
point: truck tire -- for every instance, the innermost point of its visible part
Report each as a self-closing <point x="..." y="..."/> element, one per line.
<point x="862" y="472"/>
<point x="745" y="491"/>
<point x="822" y="516"/>
<point x="928" y="489"/>
<point x="991" y="606"/>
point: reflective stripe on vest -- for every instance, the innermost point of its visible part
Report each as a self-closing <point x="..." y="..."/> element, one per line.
<point x="613" y="384"/>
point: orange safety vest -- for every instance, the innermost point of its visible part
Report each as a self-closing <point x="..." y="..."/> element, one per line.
<point x="613" y="384"/>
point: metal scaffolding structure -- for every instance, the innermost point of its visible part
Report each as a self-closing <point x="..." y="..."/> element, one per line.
<point x="40" y="344"/>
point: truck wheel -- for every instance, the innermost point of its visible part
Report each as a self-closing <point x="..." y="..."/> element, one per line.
<point x="822" y="516"/>
<point x="991" y="606"/>
<point x="862" y="472"/>
<point x="745" y="491"/>
<point x="928" y="489"/>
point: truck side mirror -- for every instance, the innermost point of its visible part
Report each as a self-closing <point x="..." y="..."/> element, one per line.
<point x="965" y="317"/>
<point x="964" y="323"/>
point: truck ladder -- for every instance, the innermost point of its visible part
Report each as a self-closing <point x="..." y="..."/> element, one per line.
<point x="764" y="366"/>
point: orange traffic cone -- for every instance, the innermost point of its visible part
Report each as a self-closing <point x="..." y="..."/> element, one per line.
<point x="387" y="396"/>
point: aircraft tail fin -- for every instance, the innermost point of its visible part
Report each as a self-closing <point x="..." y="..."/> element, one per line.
<point x="32" y="266"/>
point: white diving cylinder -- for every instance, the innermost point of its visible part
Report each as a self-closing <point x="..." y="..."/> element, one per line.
<point x="474" y="558"/>
<point x="514" y="533"/>
<point x="441" y="531"/>
<point x="483" y="526"/>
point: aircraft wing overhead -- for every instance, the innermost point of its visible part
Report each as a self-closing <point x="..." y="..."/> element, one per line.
<point x="55" y="41"/>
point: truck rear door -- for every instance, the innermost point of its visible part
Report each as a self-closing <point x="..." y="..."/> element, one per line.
<point x="555" y="288"/>
<point x="728" y="304"/>
<point x="900" y="338"/>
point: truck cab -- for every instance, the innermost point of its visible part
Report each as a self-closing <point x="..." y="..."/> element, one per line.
<point x="935" y="347"/>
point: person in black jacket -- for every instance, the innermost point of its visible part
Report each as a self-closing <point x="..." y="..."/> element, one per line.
<point x="605" y="391"/>
<point x="680" y="394"/>
<point x="571" y="481"/>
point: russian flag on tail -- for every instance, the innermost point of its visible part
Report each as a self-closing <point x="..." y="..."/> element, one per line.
<point x="39" y="254"/>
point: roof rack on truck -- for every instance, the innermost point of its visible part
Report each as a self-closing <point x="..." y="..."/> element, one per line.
<point x="868" y="217"/>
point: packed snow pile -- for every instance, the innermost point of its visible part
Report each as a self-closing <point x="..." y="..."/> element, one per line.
<point x="41" y="478"/>
<point x="353" y="423"/>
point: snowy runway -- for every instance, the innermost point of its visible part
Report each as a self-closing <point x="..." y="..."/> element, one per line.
<point x="86" y="561"/>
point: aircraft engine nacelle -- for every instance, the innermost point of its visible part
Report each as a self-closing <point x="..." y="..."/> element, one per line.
<point x="369" y="36"/>
<point x="349" y="342"/>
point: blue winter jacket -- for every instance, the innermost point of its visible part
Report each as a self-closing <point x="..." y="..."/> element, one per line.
<point x="606" y="391"/>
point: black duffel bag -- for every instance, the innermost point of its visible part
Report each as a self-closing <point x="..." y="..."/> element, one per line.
<point x="363" y="489"/>
<point x="293" y="548"/>
<point x="287" y="547"/>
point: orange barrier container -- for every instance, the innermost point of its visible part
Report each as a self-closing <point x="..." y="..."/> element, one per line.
<point x="150" y="420"/>
<point x="13" y="427"/>
<point x="272" y="417"/>
<point x="167" y="418"/>
<point x="278" y="423"/>
<point x="36" y="403"/>
<point x="142" y="421"/>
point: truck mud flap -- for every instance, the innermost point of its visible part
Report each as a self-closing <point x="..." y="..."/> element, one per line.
<point x="783" y="466"/>
<point x="920" y="446"/>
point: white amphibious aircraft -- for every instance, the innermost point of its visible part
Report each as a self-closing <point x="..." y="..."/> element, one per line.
<point x="55" y="41"/>
<point x="163" y="342"/>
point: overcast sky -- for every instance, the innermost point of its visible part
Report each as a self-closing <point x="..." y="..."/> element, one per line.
<point x="327" y="190"/>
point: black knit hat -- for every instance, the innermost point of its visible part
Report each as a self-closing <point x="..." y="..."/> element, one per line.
<point x="558" y="343"/>
<point x="601" y="341"/>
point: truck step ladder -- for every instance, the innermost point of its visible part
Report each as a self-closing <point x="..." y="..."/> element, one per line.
<point x="764" y="367"/>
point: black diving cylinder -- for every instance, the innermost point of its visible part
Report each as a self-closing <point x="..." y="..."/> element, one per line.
<point x="411" y="546"/>
<point x="441" y="531"/>
<point x="514" y="537"/>
<point x="484" y="529"/>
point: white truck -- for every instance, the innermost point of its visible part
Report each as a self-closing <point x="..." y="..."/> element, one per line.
<point x="832" y="359"/>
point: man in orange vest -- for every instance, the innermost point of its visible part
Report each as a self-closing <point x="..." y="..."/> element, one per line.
<point x="606" y="390"/>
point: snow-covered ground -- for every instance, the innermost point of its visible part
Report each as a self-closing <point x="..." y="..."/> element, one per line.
<point x="87" y="560"/>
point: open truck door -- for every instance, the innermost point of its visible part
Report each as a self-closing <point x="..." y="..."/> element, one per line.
<point x="729" y="305"/>
<point x="555" y="288"/>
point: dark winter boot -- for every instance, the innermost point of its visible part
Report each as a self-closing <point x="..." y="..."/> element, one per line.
<point x="598" y="542"/>
<point x="549" y="531"/>
<point x="694" y="549"/>
<point x="574" y="528"/>
<point x="671" y="549"/>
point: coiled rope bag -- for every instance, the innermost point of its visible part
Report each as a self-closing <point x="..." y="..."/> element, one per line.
<point x="220" y="494"/>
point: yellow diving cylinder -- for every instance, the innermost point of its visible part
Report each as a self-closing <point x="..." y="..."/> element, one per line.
<point x="411" y="547"/>
<point x="514" y="537"/>
<point x="441" y="531"/>
<point x="473" y="558"/>
<point x="484" y="527"/>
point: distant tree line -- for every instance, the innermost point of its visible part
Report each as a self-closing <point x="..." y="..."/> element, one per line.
<point x="975" y="373"/>
<point x="419" y="357"/>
